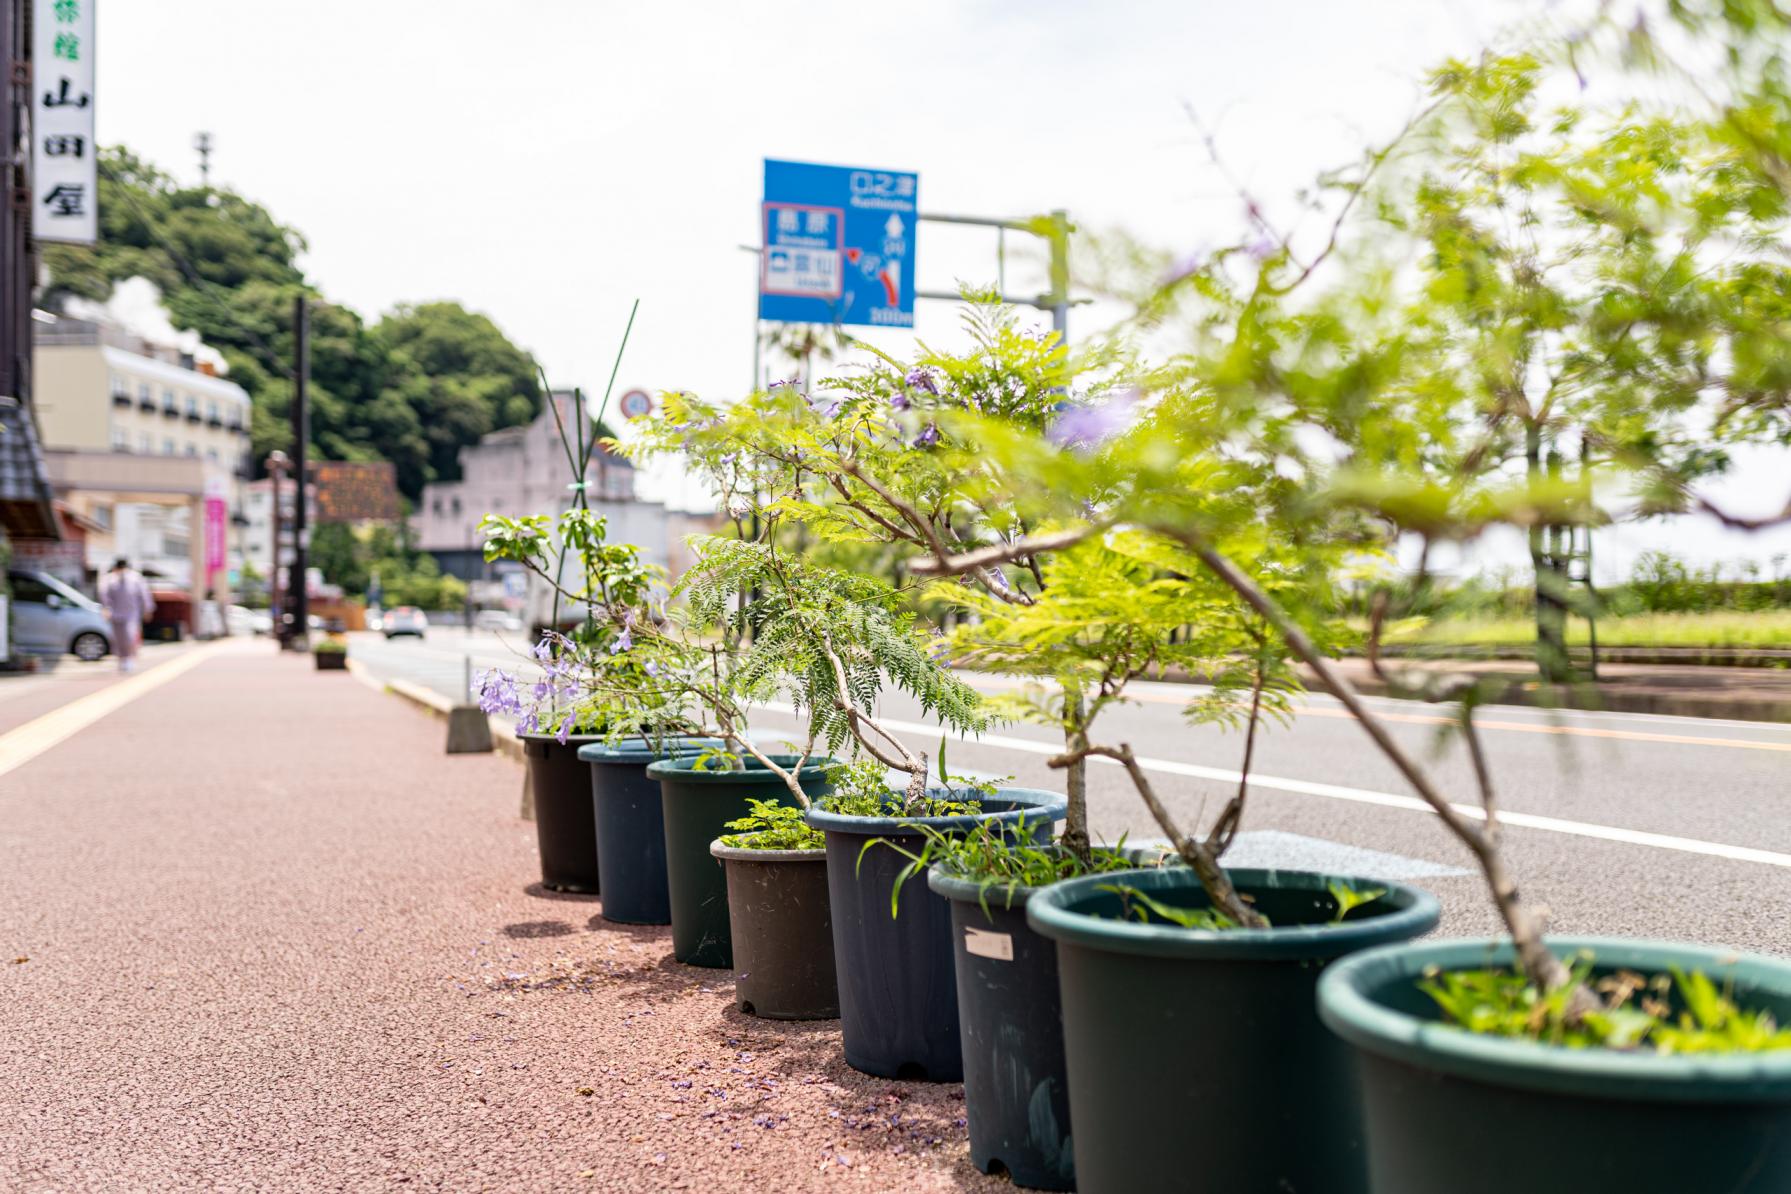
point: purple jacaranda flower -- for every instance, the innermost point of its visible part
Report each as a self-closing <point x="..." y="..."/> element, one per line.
<point x="651" y="668"/>
<point x="1183" y="267"/>
<point x="565" y="730"/>
<point x="929" y="435"/>
<point x="1262" y="248"/>
<point x="824" y="406"/>
<point x="922" y="379"/>
<point x="625" y="640"/>
<point x="899" y="401"/>
<point x="1090" y="426"/>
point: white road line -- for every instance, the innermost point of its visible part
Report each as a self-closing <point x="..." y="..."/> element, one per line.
<point x="24" y="743"/>
<point x="1608" y="833"/>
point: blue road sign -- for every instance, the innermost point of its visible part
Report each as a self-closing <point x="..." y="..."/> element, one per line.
<point x="839" y="245"/>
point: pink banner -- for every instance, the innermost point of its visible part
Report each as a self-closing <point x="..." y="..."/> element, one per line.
<point x="215" y="522"/>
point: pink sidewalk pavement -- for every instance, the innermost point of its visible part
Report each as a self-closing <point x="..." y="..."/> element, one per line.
<point x="271" y="937"/>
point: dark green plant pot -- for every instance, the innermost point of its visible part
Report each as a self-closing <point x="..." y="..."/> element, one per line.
<point x="1016" y="1092"/>
<point x="330" y="661"/>
<point x="560" y="784"/>
<point x="1570" y="1119"/>
<point x="898" y="987"/>
<point x="630" y="824"/>
<point x="1196" y="1058"/>
<point x="782" y="934"/>
<point x="698" y="806"/>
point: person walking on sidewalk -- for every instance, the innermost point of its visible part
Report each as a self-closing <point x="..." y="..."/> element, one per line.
<point x="125" y="595"/>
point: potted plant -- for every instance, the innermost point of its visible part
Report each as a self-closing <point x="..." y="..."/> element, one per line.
<point x="781" y="932"/>
<point x="1427" y="406"/>
<point x="330" y="654"/>
<point x="834" y="636"/>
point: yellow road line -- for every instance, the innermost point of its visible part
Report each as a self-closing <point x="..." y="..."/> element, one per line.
<point x="24" y="743"/>
<point x="1519" y="727"/>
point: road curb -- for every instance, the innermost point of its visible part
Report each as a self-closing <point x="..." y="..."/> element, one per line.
<point x="503" y="737"/>
<point x="1599" y="698"/>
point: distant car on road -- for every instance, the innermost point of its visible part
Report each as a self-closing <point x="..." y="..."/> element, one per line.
<point x="50" y="618"/>
<point x="241" y="621"/>
<point x="498" y="621"/>
<point x="406" y="619"/>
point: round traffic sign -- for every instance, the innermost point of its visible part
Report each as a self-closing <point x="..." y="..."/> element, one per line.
<point x="636" y="403"/>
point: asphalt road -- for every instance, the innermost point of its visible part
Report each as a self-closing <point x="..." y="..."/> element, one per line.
<point x="1622" y="824"/>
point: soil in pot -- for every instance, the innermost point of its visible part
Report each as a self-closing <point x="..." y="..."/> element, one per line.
<point x="897" y="980"/>
<point x="630" y="824"/>
<point x="782" y="933"/>
<point x="1574" y="1120"/>
<point x="561" y="786"/>
<point x="697" y="806"/>
<point x="1196" y="1058"/>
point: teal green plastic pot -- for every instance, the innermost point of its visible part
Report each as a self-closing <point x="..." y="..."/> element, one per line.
<point x="1196" y="1058"/>
<point x="897" y="982"/>
<point x="1568" y="1120"/>
<point x="698" y="804"/>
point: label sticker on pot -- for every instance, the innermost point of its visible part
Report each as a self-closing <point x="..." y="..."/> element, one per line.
<point x="985" y="943"/>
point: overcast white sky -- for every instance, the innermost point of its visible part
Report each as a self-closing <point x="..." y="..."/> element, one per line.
<point x="549" y="161"/>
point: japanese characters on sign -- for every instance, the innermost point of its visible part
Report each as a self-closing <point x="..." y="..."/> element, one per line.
<point x="64" y="162"/>
<point x="838" y="245"/>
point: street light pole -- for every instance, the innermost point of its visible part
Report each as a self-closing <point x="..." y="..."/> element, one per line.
<point x="277" y="463"/>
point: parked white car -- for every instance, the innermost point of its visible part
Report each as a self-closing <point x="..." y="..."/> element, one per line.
<point x="50" y="618"/>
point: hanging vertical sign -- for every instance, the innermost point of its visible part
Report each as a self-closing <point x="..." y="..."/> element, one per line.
<point x="64" y="161"/>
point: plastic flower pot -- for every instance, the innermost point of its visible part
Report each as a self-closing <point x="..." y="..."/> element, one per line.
<point x="1196" y="1057"/>
<point x="1564" y="1119"/>
<point x="782" y="933"/>
<point x="898" y="988"/>
<point x="560" y="785"/>
<point x="698" y="804"/>
<point x="1016" y="1092"/>
<point x="630" y="824"/>
<point x="330" y="661"/>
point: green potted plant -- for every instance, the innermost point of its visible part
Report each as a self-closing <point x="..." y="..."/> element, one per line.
<point x="781" y="932"/>
<point x="1549" y="318"/>
<point x="330" y="654"/>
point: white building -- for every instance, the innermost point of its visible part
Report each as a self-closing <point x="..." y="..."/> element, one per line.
<point x="143" y="441"/>
<point x="523" y="470"/>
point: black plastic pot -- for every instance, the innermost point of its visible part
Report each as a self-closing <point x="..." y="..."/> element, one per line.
<point x="1016" y="1091"/>
<point x="1568" y="1119"/>
<point x="630" y="824"/>
<point x="698" y="806"/>
<point x="898" y="988"/>
<point x="560" y="785"/>
<point x="782" y="934"/>
<point x="1196" y="1058"/>
<point x="330" y="661"/>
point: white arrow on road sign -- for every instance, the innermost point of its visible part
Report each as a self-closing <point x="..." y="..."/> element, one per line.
<point x="894" y="228"/>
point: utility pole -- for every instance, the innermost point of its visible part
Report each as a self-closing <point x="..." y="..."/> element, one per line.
<point x="301" y="434"/>
<point x="16" y="267"/>
<point x="202" y="142"/>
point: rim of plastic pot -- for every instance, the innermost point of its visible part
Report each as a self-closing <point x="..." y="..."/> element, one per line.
<point x="754" y="772"/>
<point x="1348" y="1003"/>
<point x="640" y="750"/>
<point x="1053" y="913"/>
<point x="1037" y="807"/>
<point x="955" y="885"/>
<point x="550" y="736"/>
<point x="739" y="854"/>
